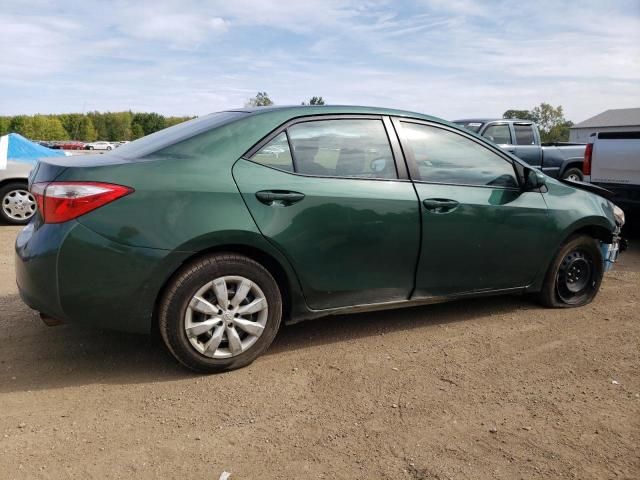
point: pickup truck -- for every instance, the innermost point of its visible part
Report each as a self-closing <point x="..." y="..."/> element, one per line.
<point x="522" y="138"/>
<point x="612" y="161"/>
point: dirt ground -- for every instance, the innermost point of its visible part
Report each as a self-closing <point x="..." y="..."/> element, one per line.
<point x="489" y="388"/>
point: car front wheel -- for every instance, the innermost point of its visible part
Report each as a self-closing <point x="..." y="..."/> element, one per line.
<point x="17" y="205"/>
<point x="220" y="313"/>
<point x="574" y="277"/>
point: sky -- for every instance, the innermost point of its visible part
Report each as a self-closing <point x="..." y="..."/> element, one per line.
<point x="448" y="58"/>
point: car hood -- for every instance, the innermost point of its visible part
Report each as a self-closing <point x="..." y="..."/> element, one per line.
<point x="603" y="192"/>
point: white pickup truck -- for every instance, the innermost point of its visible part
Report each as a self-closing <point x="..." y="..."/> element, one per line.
<point x="612" y="161"/>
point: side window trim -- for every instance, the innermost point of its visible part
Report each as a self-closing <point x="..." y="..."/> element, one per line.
<point x="293" y="155"/>
<point x="412" y="164"/>
<point x="392" y="136"/>
<point x="396" y="149"/>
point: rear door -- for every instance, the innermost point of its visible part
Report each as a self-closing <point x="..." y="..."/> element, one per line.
<point x="527" y="143"/>
<point x="480" y="231"/>
<point x="333" y="195"/>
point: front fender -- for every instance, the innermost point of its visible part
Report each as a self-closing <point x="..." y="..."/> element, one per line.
<point x="573" y="210"/>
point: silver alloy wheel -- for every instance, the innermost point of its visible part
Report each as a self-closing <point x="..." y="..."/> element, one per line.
<point x="19" y="205"/>
<point x="226" y="317"/>
<point x="573" y="177"/>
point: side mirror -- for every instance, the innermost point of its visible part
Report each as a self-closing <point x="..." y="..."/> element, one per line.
<point x="533" y="179"/>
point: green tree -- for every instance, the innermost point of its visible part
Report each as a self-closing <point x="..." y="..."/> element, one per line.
<point x="23" y="125"/>
<point x="71" y="123"/>
<point x="86" y="132"/>
<point x="551" y="122"/>
<point x="559" y="132"/>
<point x="136" y="131"/>
<point x="315" y="101"/>
<point x="260" y="100"/>
<point x="119" y="125"/>
<point x="520" y="114"/>
<point x="47" y="127"/>
<point x="171" y="121"/>
<point x="100" y="124"/>
<point x="5" y="123"/>
<point x="150" y="122"/>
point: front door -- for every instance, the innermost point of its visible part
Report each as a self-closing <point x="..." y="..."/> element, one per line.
<point x="480" y="231"/>
<point x="327" y="194"/>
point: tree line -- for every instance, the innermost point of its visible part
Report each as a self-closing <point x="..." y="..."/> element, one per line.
<point x="87" y="127"/>
<point x="118" y="126"/>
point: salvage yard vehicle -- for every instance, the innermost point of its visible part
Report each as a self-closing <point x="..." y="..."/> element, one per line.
<point x="99" y="146"/>
<point x="67" y="145"/>
<point x="18" y="156"/>
<point x="217" y="230"/>
<point x="612" y="161"/>
<point x="522" y="138"/>
<point x="17" y="204"/>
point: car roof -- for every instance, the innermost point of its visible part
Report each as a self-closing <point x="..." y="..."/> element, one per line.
<point x="487" y="120"/>
<point x="304" y="110"/>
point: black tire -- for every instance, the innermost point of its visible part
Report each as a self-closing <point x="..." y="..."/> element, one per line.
<point x="575" y="275"/>
<point x="4" y="190"/>
<point x="573" y="172"/>
<point x="181" y="289"/>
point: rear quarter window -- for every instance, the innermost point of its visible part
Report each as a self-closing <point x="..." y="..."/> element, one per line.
<point x="158" y="141"/>
<point x="524" y="134"/>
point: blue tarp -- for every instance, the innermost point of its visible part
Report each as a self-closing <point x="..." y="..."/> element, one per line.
<point x="20" y="149"/>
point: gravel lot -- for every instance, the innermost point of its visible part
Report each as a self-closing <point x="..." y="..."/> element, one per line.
<point x="490" y="388"/>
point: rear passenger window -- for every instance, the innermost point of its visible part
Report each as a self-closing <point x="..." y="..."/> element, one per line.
<point x="524" y="134"/>
<point x="342" y="148"/>
<point x="276" y="154"/>
<point x="499" y="134"/>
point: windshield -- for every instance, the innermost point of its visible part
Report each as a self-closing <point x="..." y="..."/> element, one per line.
<point x="169" y="136"/>
<point x="473" y="126"/>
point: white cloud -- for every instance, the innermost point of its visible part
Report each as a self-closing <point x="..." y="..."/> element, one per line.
<point x="450" y="58"/>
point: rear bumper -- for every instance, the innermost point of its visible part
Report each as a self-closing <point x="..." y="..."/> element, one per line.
<point x="75" y="275"/>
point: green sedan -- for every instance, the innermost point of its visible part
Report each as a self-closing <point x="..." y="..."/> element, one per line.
<point x="218" y="230"/>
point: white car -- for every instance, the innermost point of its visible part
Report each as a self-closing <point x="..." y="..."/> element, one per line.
<point x="17" y="204"/>
<point x="99" y="146"/>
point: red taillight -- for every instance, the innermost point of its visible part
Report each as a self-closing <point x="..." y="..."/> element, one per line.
<point x="586" y="165"/>
<point x="63" y="201"/>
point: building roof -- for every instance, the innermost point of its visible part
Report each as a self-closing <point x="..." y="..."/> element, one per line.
<point x="619" y="117"/>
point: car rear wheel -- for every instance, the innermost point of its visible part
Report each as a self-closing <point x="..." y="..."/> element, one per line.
<point x="17" y="205"/>
<point x="220" y="313"/>
<point x="574" y="174"/>
<point x="574" y="277"/>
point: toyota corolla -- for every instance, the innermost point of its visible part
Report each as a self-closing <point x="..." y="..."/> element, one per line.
<point x="218" y="230"/>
